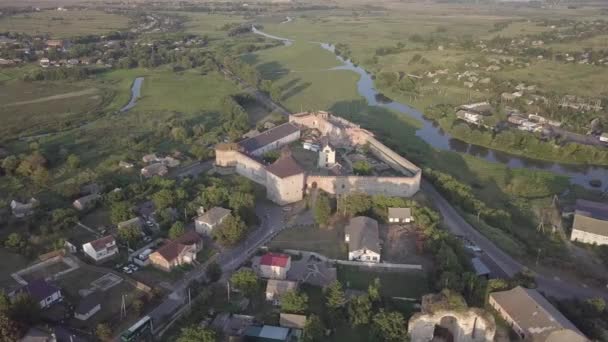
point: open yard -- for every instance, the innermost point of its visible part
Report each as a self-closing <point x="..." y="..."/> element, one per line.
<point x="62" y="24"/>
<point x="410" y="284"/>
<point x="10" y="262"/>
<point x="325" y="241"/>
<point x="82" y="282"/>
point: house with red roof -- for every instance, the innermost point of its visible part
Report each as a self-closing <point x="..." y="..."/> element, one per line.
<point x="101" y="249"/>
<point x="275" y="265"/>
<point x="181" y="251"/>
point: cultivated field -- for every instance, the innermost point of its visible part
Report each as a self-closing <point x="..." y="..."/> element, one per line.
<point x="61" y="24"/>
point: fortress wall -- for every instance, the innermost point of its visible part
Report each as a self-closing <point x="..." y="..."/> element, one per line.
<point x="285" y="190"/>
<point x="392" y="158"/>
<point x="389" y="186"/>
<point x="243" y="164"/>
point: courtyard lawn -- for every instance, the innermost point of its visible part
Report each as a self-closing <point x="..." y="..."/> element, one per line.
<point x="63" y="24"/>
<point x="410" y="284"/>
<point x="325" y="241"/>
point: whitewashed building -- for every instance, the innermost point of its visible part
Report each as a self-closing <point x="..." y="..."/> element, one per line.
<point x="101" y="249"/>
<point x="400" y="215"/>
<point x="361" y="235"/>
<point x="590" y="223"/>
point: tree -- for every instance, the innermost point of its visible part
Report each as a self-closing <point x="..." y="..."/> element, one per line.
<point x="103" y="332"/>
<point x="245" y="280"/>
<point x="294" y="302"/>
<point x="362" y="168"/>
<point x="177" y="229"/>
<point x="390" y="326"/>
<point x="14" y="241"/>
<point x="360" y="310"/>
<point x="373" y="290"/>
<point x="334" y="296"/>
<point x="195" y="333"/>
<point x="129" y="234"/>
<point x="163" y="199"/>
<point x="232" y="231"/>
<point x="322" y="209"/>
<point x="25" y="309"/>
<point x="355" y="204"/>
<point x="314" y="330"/>
<point x="41" y="177"/>
<point x="213" y="272"/>
<point x="73" y="161"/>
<point x="120" y="211"/>
<point x="179" y="134"/>
<point x="9" y="164"/>
<point x="10" y="331"/>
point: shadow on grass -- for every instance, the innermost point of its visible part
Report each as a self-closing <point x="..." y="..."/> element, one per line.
<point x="272" y="70"/>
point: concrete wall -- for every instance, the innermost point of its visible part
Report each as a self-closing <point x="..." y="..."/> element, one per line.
<point x="390" y="186"/>
<point x="473" y="325"/>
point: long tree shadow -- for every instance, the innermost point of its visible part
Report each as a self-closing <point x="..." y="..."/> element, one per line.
<point x="295" y="90"/>
<point x="272" y="70"/>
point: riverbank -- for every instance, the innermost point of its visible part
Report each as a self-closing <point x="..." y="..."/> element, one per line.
<point x="515" y="142"/>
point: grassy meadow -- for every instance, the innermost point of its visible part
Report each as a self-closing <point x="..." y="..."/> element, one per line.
<point x="63" y="24"/>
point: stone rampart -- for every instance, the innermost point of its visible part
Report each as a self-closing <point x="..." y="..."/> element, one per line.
<point x="472" y="325"/>
<point x="389" y="186"/>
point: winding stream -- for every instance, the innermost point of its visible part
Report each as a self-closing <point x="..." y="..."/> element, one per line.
<point x="135" y="94"/>
<point x="432" y="134"/>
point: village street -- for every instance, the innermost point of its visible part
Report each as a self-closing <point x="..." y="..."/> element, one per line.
<point x="548" y="283"/>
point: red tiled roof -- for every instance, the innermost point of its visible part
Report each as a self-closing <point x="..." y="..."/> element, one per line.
<point x="189" y="238"/>
<point x="102" y="243"/>
<point x="285" y="166"/>
<point x="172" y="249"/>
<point x="274" y="259"/>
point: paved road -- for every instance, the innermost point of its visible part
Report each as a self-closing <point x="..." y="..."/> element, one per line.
<point x="509" y="266"/>
<point x="272" y="217"/>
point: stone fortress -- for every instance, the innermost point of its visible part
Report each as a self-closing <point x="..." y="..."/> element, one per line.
<point x="287" y="182"/>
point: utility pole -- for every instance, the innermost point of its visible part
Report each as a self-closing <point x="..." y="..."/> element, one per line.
<point x="228" y="289"/>
<point x="123" y="308"/>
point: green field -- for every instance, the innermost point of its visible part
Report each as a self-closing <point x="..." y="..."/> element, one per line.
<point x="39" y="107"/>
<point x="411" y="284"/>
<point x="302" y="72"/>
<point x="209" y="24"/>
<point x="328" y="242"/>
<point x="64" y="24"/>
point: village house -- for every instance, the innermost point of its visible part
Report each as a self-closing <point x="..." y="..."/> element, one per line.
<point x="275" y="288"/>
<point x="532" y="317"/>
<point x="400" y="215"/>
<point x="590" y="223"/>
<point x="21" y="210"/>
<point x="101" y="249"/>
<point x="604" y="137"/>
<point x="267" y="333"/>
<point x="86" y="202"/>
<point x="361" y="235"/>
<point x="125" y="165"/>
<point x="516" y="119"/>
<point x="150" y="158"/>
<point x="469" y="117"/>
<point x="292" y="321"/>
<point x="87" y="307"/>
<point x="134" y="222"/>
<point x="178" y="252"/>
<point x="208" y="221"/>
<point x="275" y="265"/>
<point x="156" y="169"/>
<point x="43" y="292"/>
<point x="55" y="43"/>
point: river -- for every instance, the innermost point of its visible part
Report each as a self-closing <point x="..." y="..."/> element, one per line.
<point x="135" y="93"/>
<point x="432" y="134"/>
